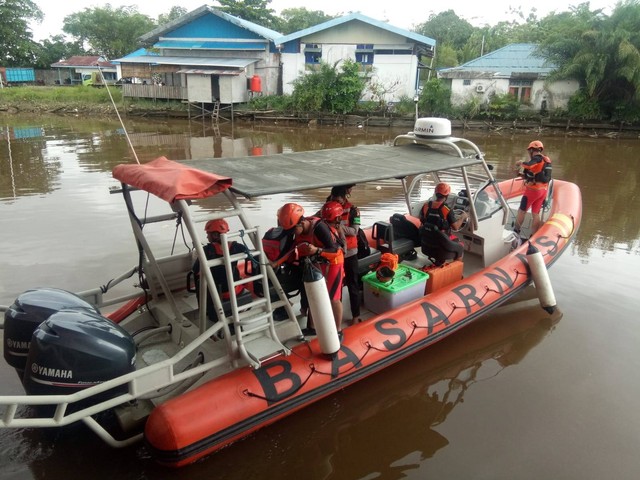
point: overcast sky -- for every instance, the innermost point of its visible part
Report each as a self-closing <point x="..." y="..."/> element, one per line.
<point x="399" y="13"/>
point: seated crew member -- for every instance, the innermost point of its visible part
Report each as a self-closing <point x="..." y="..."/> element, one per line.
<point x="438" y="222"/>
<point x="212" y="250"/>
<point x="320" y="239"/>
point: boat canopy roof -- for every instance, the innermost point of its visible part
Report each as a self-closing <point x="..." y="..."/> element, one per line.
<point x="171" y="181"/>
<point x="297" y="171"/>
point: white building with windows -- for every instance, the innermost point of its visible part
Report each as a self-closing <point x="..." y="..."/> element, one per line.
<point x="514" y="69"/>
<point x="390" y="58"/>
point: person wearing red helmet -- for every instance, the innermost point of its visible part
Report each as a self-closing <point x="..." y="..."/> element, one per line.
<point x="536" y="174"/>
<point x="320" y="239"/>
<point x="213" y="249"/>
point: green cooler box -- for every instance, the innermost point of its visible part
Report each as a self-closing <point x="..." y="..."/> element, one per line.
<point x="407" y="284"/>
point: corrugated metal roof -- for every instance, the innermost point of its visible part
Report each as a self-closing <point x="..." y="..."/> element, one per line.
<point x="192" y="61"/>
<point x="84" y="61"/>
<point x="211" y="45"/>
<point x="155" y="34"/>
<point x="506" y="61"/>
<point x="201" y="71"/>
<point x="352" y="17"/>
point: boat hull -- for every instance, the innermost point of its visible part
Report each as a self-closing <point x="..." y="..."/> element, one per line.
<point x="219" y="412"/>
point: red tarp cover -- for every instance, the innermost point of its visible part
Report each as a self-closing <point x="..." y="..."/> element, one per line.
<point x="171" y="181"/>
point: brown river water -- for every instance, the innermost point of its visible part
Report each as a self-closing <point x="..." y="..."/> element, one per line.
<point x="517" y="395"/>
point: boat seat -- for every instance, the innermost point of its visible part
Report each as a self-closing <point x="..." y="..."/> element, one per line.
<point x="368" y="263"/>
<point x="387" y="241"/>
<point x="437" y="245"/>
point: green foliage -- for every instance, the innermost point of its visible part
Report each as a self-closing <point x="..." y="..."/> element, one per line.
<point x="17" y="48"/>
<point x="175" y="13"/>
<point x="255" y="11"/>
<point x="296" y="19"/>
<point x="110" y="32"/>
<point x="446" y="56"/>
<point x="583" y="107"/>
<point x="435" y="99"/>
<point x="329" y="89"/>
<point x="279" y="103"/>
<point x="503" y="107"/>
<point x="446" y="28"/>
<point x="55" y="49"/>
<point x="63" y="95"/>
<point x="472" y="108"/>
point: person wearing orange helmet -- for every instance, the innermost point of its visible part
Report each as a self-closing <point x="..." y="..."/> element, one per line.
<point x="436" y="212"/>
<point x="213" y="249"/>
<point x="536" y="174"/>
<point x="320" y="239"/>
<point x="350" y="225"/>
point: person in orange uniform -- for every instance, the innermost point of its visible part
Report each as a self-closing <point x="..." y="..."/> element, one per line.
<point x="350" y="225"/>
<point x="320" y="239"/>
<point x="436" y="212"/>
<point x="536" y="173"/>
<point x="213" y="229"/>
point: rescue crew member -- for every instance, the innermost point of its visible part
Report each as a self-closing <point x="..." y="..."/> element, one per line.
<point x="436" y="212"/>
<point x="438" y="222"/>
<point x="213" y="249"/>
<point x="350" y="225"/>
<point x="320" y="239"/>
<point x="536" y="173"/>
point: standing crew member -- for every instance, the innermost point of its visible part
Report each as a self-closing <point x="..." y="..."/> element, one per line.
<point x="350" y="225"/>
<point x="321" y="240"/>
<point x="536" y="173"/>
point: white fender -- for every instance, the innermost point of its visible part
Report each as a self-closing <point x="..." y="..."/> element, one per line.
<point x="541" y="279"/>
<point x="321" y="311"/>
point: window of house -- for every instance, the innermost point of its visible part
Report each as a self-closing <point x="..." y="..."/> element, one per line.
<point x="466" y="82"/>
<point x="364" y="54"/>
<point x="521" y="89"/>
<point x="312" y="53"/>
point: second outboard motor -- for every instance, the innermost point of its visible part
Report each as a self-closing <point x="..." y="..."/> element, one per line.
<point x="73" y="350"/>
<point x="27" y="312"/>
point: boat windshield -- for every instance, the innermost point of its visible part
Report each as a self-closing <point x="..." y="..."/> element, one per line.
<point x="487" y="201"/>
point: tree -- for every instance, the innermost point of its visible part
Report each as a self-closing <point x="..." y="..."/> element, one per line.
<point x="296" y="19"/>
<point x="602" y="53"/>
<point x="56" y="48"/>
<point x="446" y="28"/>
<point x="255" y="11"/>
<point x="17" y="47"/>
<point x="174" y="13"/>
<point x="108" y="31"/>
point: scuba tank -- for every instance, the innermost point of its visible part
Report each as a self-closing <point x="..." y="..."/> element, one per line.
<point x="320" y="306"/>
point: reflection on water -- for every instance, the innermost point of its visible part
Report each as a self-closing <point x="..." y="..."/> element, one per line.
<point x="61" y="227"/>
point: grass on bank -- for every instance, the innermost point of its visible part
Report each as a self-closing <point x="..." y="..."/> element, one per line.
<point x="78" y="97"/>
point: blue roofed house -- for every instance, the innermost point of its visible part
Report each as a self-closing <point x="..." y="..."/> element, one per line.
<point x="205" y="56"/>
<point x="514" y="69"/>
<point x="390" y="58"/>
<point x="208" y="56"/>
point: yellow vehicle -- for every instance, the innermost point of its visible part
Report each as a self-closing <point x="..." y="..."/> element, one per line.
<point x="96" y="79"/>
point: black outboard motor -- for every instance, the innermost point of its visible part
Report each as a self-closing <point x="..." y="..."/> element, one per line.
<point x="75" y="349"/>
<point x="28" y="311"/>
